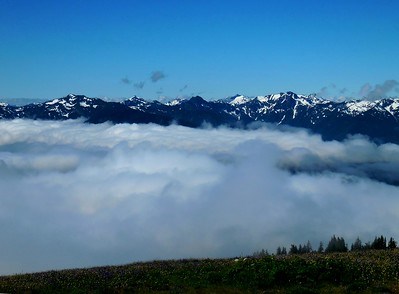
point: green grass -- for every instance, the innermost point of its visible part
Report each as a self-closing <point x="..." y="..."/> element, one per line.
<point x="362" y="272"/>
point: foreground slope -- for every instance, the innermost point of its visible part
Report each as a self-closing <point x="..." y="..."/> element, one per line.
<point x="374" y="271"/>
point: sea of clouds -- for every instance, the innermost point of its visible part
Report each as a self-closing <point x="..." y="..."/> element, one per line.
<point x="79" y="195"/>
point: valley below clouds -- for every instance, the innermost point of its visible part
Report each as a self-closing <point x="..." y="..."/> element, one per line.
<point x="80" y="195"/>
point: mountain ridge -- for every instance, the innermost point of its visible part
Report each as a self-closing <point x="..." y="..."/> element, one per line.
<point x="379" y="120"/>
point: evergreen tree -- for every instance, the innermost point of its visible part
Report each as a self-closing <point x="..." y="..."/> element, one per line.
<point x="379" y="243"/>
<point x="278" y="251"/>
<point x="321" y="248"/>
<point x="308" y="247"/>
<point x="284" y="251"/>
<point x="260" y="254"/>
<point x="336" y="245"/>
<point x="294" y="249"/>
<point x="342" y="247"/>
<point x="367" y="246"/>
<point x="392" y="244"/>
<point x="357" y="246"/>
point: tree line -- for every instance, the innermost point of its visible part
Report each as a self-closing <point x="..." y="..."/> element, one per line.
<point x="336" y="244"/>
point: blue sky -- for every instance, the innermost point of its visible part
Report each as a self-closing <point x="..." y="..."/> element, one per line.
<point x="158" y="49"/>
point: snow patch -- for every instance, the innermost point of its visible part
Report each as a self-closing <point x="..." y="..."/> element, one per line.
<point x="261" y="98"/>
<point x="84" y="104"/>
<point x="275" y="97"/>
<point x="359" y="106"/>
<point x="174" y="102"/>
<point x="239" y="100"/>
<point x="303" y="101"/>
<point x="394" y="105"/>
<point x="53" y="102"/>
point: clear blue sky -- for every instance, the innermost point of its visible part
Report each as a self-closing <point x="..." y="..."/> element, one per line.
<point x="213" y="48"/>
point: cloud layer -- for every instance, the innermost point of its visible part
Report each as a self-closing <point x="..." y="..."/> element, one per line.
<point x="78" y="195"/>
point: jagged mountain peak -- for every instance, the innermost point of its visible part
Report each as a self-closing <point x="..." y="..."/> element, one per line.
<point x="175" y="102"/>
<point x="77" y="96"/>
<point x="198" y="100"/>
<point x="134" y="98"/>
<point x="238" y="99"/>
<point x="72" y="97"/>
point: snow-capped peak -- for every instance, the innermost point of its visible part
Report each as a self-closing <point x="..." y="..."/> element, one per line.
<point x="275" y="97"/>
<point x="239" y="99"/>
<point x="135" y="98"/>
<point x="174" y="102"/>
<point x="395" y="105"/>
<point x="359" y="106"/>
<point x="52" y="102"/>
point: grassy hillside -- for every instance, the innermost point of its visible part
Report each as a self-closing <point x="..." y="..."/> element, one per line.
<point x="373" y="271"/>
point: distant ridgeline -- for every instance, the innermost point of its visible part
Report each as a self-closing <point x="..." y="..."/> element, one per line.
<point x="333" y="120"/>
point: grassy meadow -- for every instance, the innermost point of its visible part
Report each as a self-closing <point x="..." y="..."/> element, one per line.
<point x="371" y="271"/>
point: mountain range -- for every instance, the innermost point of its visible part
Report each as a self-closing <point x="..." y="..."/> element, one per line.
<point x="379" y="120"/>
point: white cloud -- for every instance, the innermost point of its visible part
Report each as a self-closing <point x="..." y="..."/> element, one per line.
<point x="75" y="194"/>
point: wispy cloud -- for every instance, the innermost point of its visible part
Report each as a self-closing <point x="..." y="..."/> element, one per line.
<point x="139" y="85"/>
<point x="365" y="90"/>
<point x="379" y="91"/>
<point x="323" y="92"/>
<point x="157" y="75"/>
<point x="109" y="194"/>
<point x="332" y="92"/>
<point x="184" y="88"/>
<point x="126" y="81"/>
